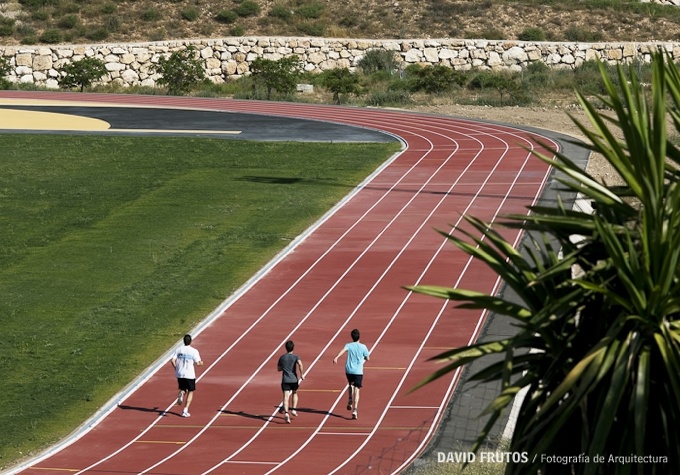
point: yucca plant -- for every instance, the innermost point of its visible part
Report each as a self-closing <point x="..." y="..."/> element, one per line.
<point x="598" y="351"/>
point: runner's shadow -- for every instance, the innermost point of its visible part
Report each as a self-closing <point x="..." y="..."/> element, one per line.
<point x="245" y="414"/>
<point x="155" y="409"/>
<point x="309" y="410"/>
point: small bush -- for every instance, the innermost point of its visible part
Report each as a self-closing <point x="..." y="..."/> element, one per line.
<point x="71" y="7"/>
<point x="151" y="14"/>
<point x="4" y="71"/>
<point x="537" y="74"/>
<point x="181" y="71"/>
<point x="82" y="73"/>
<point x="108" y="8"/>
<point x="112" y="23"/>
<point x="237" y="30"/>
<point x="310" y="10"/>
<point x="36" y="4"/>
<point x="51" y="36"/>
<point x="388" y="98"/>
<point x="311" y="29"/>
<point x="506" y="85"/>
<point x="99" y="33"/>
<point x="340" y="81"/>
<point x="532" y="34"/>
<point x="281" y="12"/>
<point x="6" y="26"/>
<point x="40" y="15"/>
<point x="190" y="14"/>
<point x="576" y="34"/>
<point x="349" y="21"/>
<point x="432" y="79"/>
<point x="226" y="16"/>
<point x="587" y="79"/>
<point x="378" y="60"/>
<point x="248" y="8"/>
<point x="68" y="22"/>
<point x="29" y="39"/>
<point x="25" y="30"/>
<point x="158" y="34"/>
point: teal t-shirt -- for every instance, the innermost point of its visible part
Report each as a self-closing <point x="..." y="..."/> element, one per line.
<point x="356" y="355"/>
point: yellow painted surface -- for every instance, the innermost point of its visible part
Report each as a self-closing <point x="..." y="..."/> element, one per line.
<point x="29" y="120"/>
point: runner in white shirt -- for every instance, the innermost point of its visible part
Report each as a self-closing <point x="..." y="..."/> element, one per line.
<point x="183" y="361"/>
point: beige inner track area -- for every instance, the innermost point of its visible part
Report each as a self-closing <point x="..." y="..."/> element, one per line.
<point x="28" y="120"/>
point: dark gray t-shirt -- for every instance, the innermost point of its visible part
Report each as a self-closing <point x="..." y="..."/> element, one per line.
<point x="288" y="366"/>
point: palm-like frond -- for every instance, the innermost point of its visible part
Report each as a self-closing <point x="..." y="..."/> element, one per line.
<point x="598" y="354"/>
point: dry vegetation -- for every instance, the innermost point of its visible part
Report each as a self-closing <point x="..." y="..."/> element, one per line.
<point x="80" y="21"/>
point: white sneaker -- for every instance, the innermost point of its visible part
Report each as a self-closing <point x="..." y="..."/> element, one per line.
<point x="355" y="415"/>
<point x="287" y="419"/>
<point x="180" y="398"/>
<point x="294" y="412"/>
<point x="185" y="413"/>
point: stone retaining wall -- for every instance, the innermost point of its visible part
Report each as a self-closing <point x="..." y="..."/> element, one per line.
<point x="230" y="58"/>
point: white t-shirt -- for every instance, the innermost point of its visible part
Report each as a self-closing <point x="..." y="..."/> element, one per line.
<point x="184" y="358"/>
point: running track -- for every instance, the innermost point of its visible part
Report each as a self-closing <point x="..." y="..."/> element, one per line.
<point x="344" y="273"/>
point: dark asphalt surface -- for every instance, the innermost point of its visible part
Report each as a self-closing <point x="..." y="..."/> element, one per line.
<point x="166" y="121"/>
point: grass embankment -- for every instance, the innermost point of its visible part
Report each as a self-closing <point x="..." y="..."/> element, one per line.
<point x="113" y="247"/>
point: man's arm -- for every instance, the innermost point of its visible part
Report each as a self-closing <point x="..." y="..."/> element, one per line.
<point x="342" y="352"/>
<point x="302" y="370"/>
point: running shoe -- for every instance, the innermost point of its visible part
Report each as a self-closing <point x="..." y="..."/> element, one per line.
<point x="287" y="418"/>
<point x="294" y="412"/>
<point x="180" y="398"/>
<point x="185" y="413"/>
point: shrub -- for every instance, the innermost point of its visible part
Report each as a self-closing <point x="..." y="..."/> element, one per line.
<point x="378" y="60"/>
<point x="226" y="16"/>
<point x="432" y="79"/>
<point x="281" y="12"/>
<point x="237" y="30"/>
<point x="151" y="14"/>
<point x="388" y="98"/>
<point x="4" y="71"/>
<point x="97" y="34"/>
<point x="37" y="4"/>
<point x="51" y="36"/>
<point x="278" y="75"/>
<point x="82" y="73"/>
<point x="340" y="81"/>
<point x="6" y="26"/>
<point x="190" y="14"/>
<point x="310" y="10"/>
<point x="112" y="22"/>
<point x="311" y="29"/>
<point x="181" y="71"/>
<point x="349" y="21"/>
<point x="67" y="22"/>
<point x="40" y="15"/>
<point x="532" y="34"/>
<point x="507" y="85"/>
<point x="108" y="8"/>
<point x="537" y="74"/>
<point x="248" y="8"/>
<point x="575" y="33"/>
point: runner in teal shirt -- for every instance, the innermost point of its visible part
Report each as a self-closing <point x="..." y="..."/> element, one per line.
<point x="357" y="354"/>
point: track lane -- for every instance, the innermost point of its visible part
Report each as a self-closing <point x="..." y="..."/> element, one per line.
<point x="414" y="128"/>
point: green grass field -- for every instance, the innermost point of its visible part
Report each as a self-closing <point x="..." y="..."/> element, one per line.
<point x="113" y="247"/>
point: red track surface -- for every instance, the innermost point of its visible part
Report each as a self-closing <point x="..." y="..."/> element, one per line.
<point x="347" y="272"/>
